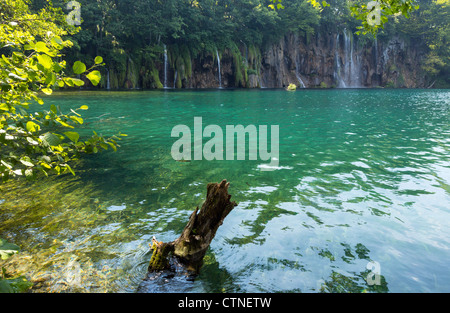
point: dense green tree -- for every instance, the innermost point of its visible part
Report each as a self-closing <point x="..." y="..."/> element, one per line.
<point x="137" y="29"/>
<point x="31" y="64"/>
<point x="373" y="14"/>
<point x="431" y="25"/>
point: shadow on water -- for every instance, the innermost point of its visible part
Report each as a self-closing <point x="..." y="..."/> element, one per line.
<point x="369" y="280"/>
<point x="176" y="279"/>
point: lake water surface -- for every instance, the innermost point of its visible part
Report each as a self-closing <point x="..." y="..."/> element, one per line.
<point x="360" y="199"/>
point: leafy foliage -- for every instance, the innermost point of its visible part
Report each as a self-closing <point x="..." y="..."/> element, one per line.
<point x="32" y="63"/>
<point x="138" y="29"/>
<point x="374" y="14"/>
<point x="7" y="249"/>
<point x="16" y="284"/>
<point x="431" y="26"/>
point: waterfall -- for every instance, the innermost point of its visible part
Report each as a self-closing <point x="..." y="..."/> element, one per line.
<point x="260" y="78"/>
<point x="348" y="76"/>
<point x="337" y="72"/>
<point x="297" y="59"/>
<point x="108" y="84"/>
<point x="354" y="66"/>
<point x="246" y="54"/>
<point x="165" y="66"/>
<point x="131" y="71"/>
<point x="218" y="65"/>
<point x="355" y="63"/>
<point x="376" y="54"/>
<point x="175" y="79"/>
<point x="348" y="58"/>
<point x="297" y="73"/>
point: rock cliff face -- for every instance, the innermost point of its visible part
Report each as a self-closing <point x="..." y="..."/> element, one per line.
<point x="341" y="61"/>
<point x="336" y="60"/>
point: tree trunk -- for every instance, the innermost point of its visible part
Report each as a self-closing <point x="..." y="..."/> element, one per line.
<point x="191" y="246"/>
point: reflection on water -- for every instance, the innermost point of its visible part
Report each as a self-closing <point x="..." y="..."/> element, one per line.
<point x="363" y="176"/>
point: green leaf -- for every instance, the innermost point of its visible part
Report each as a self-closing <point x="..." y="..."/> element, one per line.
<point x="32" y="126"/>
<point x="79" y="67"/>
<point x="77" y="82"/>
<point x="46" y="165"/>
<point x="60" y="121"/>
<point x="17" y="77"/>
<point x="53" y="109"/>
<point x="57" y="42"/>
<point x="18" y="172"/>
<point x="70" y="169"/>
<point x="74" y="136"/>
<point x="94" y="77"/>
<point x="32" y="141"/>
<point x="26" y="161"/>
<point x="98" y="60"/>
<point x="51" y="79"/>
<point x="45" y="61"/>
<point x="112" y="146"/>
<point x="40" y="46"/>
<point x="7" y="249"/>
<point x="77" y="119"/>
<point x="50" y="139"/>
<point x="15" y="285"/>
<point x="5" y="87"/>
<point x="29" y="173"/>
<point x="5" y="287"/>
<point x="57" y="67"/>
<point x="68" y="81"/>
<point x="9" y="166"/>
<point x="4" y="107"/>
<point x="47" y="91"/>
<point x="74" y="112"/>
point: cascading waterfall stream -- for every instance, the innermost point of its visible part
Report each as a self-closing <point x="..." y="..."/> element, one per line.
<point x="376" y="54"/>
<point x="108" y="83"/>
<point x="337" y="72"/>
<point x="349" y="75"/>
<point x="218" y="65"/>
<point x="131" y="73"/>
<point x="348" y="58"/>
<point x="297" y="72"/>
<point x="260" y="78"/>
<point x="340" y="60"/>
<point x="165" y="66"/>
<point x="175" y="79"/>
<point x="355" y="64"/>
<point x="302" y="84"/>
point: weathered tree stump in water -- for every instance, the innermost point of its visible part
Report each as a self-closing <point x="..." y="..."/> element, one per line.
<point x="191" y="246"/>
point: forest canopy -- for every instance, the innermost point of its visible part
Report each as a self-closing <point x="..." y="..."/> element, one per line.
<point x="116" y="29"/>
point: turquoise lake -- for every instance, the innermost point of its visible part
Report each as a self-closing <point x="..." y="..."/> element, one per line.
<point x="359" y="201"/>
